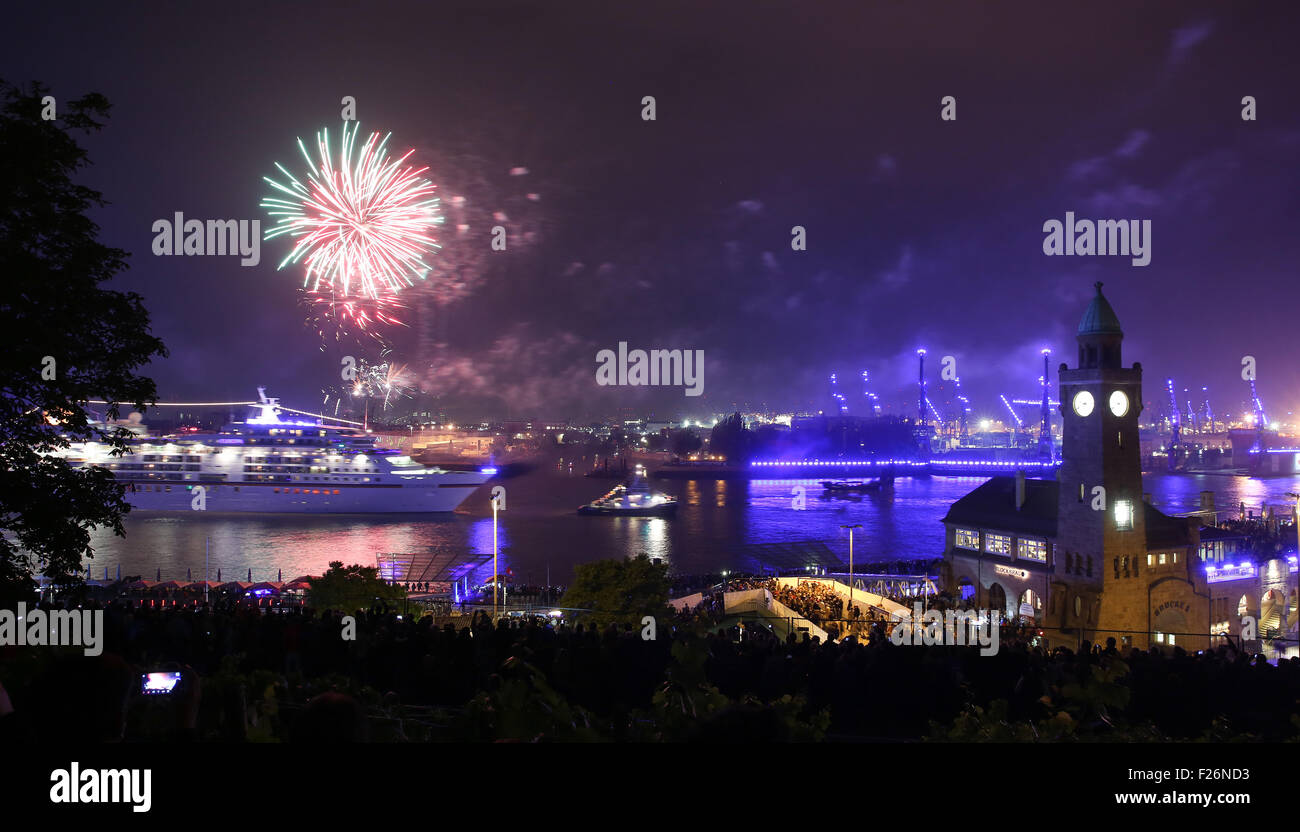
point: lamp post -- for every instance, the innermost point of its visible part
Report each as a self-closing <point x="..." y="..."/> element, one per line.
<point x="1295" y="518"/>
<point x="496" y="581"/>
<point x="498" y="504"/>
<point x="851" y="527"/>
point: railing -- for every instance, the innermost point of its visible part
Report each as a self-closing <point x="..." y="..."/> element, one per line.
<point x="863" y="596"/>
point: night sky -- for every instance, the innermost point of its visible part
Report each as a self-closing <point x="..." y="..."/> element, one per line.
<point x="675" y="233"/>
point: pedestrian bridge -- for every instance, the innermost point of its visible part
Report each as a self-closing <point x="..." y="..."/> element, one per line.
<point x="760" y="603"/>
<point x="861" y="597"/>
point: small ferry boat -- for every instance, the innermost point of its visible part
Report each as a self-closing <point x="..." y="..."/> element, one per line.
<point x="849" y="486"/>
<point x="635" y="499"/>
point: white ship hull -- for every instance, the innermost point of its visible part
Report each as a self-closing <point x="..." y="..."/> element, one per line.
<point x="444" y="494"/>
<point x="268" y="465"/>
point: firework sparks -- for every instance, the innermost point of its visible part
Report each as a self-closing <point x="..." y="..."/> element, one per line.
<point x="361" y="227"/>
<point x="338" y="317"/>
<point x="385" y="380"/>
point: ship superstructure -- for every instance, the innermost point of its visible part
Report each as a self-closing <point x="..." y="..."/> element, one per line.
<point x="270" y="464"/>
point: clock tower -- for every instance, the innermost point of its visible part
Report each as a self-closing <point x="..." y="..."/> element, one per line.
<point x="1100" y="511"/>
<point x="1084" y="555"/>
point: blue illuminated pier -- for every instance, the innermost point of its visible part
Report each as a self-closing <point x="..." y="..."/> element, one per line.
<point x="901" y="467"/>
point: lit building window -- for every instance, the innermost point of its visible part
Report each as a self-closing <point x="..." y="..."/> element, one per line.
<point x="968" y="539"/>
<point x="1123" y="515"/>
<point x="1033" y="549"/>
<point x="1162" y="558"/>
<point x="997" y="544"/>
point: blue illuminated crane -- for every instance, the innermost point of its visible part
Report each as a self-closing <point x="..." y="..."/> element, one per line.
<point x="1045" y="430"/>
<point x="920" y="385"/>
<point x="835" y="394"/>
<point x="1261" y="421"/>
<point x="1175" y="423"/>
<point x="964" y="404"/>
<point x="873" y="401"/>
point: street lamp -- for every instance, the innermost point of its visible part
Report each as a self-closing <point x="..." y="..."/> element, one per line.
<point x="496" y="576"/>
<point x="851" y="527"/>
<point x="1295" y="516"/>
<point x="498" y="504"/>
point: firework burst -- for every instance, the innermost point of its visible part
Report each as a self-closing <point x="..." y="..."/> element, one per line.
<point x="385" y="380"/>
<point x="338" y="317"/>
<point x="361" y="226"/>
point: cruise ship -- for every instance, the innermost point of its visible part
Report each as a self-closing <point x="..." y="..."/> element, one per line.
<point x="269" y="464"/>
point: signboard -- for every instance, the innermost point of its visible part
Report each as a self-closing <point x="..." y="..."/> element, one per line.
<point x="1027" y="610"/>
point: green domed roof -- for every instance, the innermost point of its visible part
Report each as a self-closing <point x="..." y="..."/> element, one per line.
<point x="1100" y="319"/>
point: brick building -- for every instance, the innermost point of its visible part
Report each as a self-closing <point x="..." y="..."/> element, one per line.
<point x="1085" y="556"/>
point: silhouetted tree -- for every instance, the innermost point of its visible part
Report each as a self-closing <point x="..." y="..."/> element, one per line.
<point x="619" y="590"/>
<point x="686" y="442"/>
<point x="731" y="439"/>
<point x="63" y="341"/>
<point x="350" y="588"/>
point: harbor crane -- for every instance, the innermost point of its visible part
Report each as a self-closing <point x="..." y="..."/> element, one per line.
<point x="1175" y="426"/>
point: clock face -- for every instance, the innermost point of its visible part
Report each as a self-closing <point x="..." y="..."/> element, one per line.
<point x="1118" y="403"/>
<point x="1083" y="403"/>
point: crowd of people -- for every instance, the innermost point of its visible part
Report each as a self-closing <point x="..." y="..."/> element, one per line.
<point x="813" y="600"/>
<point x="1265" y="538"/>
<point x="295" y="677"/>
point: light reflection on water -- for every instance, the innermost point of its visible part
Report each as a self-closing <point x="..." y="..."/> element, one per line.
<point x="714" y="521"/>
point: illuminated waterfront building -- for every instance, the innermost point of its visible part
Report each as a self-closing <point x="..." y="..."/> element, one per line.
<point x="1084" y="556"/>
